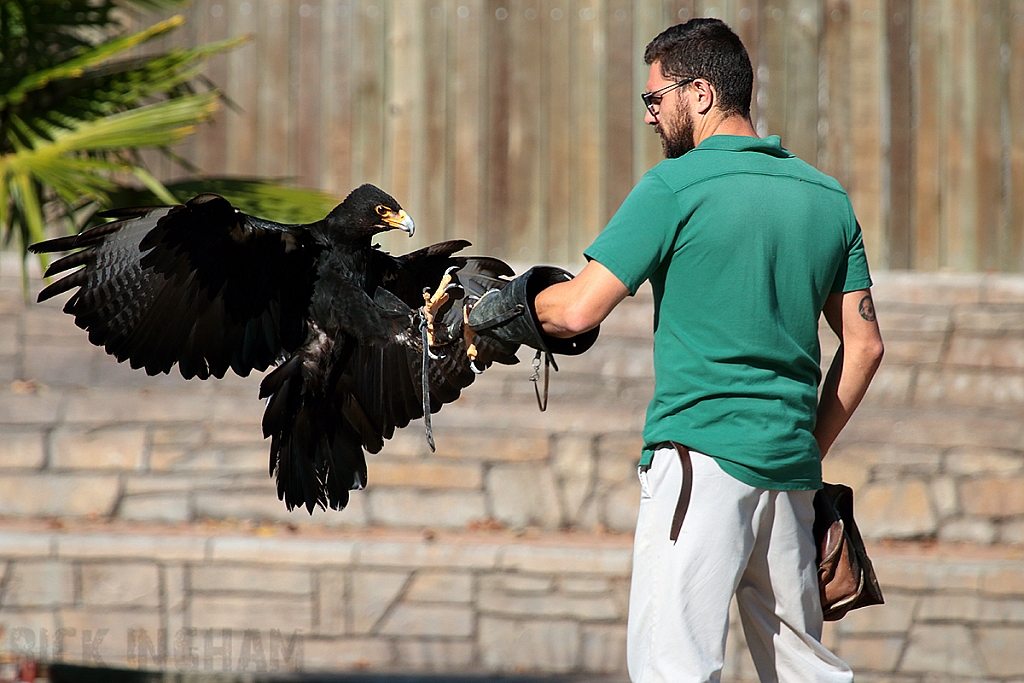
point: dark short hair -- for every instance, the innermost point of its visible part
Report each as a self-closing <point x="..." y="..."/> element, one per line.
<point x="708" y="49"/>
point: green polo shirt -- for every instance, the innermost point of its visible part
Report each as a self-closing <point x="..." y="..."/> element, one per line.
<point x="742" y="243"/>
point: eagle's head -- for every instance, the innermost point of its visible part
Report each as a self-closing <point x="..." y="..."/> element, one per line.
<point x="368" y="210"/>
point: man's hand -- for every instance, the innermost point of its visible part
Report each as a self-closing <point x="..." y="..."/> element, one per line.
<point x="852" y="317"/>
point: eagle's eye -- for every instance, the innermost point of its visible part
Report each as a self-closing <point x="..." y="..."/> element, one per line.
<point x="383" y="210"/>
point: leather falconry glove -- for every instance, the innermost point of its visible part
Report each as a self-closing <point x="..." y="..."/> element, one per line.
<point x="508" y="317"/>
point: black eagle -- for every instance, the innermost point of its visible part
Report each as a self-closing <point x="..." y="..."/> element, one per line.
<point x="210" y="288"/>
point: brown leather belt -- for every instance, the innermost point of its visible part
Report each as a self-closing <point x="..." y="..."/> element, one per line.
<point x="684" y="490"/>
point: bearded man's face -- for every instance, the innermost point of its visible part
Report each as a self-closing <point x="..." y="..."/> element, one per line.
<point x="676" y="131"/>
<point x="673" y="121"/>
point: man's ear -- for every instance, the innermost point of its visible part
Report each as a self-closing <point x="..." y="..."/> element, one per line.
<point x="705" y="95"/>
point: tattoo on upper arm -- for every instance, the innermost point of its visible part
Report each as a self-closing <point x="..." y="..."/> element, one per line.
<point x="867" y="309"/>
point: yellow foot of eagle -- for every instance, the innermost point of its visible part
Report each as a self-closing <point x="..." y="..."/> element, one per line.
<point x="432" y="303"/>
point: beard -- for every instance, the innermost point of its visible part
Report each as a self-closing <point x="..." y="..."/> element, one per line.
<point x="676" y="135"/>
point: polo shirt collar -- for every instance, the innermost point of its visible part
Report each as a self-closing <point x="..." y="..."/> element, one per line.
<point x="742" y="143"/>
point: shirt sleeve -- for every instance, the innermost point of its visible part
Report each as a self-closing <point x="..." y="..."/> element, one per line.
<point x="641" y="234"/>
<point x="853" y="271"/>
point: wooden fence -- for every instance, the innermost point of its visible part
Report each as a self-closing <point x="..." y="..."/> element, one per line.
<point x="517" y="124"/>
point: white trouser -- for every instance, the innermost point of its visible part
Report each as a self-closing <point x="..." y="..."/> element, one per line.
<point x="736" y="539"/>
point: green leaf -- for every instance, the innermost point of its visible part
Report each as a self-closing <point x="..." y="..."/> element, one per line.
<point x="28" y="200"/>
<point x="154" y="185"/>
<point x="163" y="123"/>
<point x="74" y="178"/>
<point x="74" y="68"/>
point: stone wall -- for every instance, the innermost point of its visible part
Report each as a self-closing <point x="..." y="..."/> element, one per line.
<point x="217" y="598"/>
<point x="278" y="602"/>
<point x="142" y="506"/>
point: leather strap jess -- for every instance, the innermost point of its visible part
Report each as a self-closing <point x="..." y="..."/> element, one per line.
<point x="684" y="490"/>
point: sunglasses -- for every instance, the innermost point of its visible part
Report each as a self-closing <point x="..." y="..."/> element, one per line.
<point x="653" y="99"/>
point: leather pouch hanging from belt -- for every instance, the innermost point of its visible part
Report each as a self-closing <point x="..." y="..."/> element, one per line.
<point x="846" y="579"/>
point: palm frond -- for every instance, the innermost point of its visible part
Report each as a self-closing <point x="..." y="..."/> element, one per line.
<point x="118" y="85"/>
<point x="82" y="163"/>
<point x="76" y="108"/>
<point x="37" y="34"/>
<point x="75" y="67"/>
<point x="162" y="123"/>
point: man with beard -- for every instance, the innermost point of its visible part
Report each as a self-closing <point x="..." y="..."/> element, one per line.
<point x="745" y="247"/>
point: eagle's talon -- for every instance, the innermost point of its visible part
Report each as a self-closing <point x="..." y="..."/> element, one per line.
<point x="469" y="336"/>
<point x="432" y="303"/>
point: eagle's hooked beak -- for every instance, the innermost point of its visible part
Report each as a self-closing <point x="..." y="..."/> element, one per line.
<point x="402" y="221"/>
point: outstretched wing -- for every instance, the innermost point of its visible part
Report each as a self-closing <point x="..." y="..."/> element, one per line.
<point x="200" y="284"/>
<point x="319" y="435"/>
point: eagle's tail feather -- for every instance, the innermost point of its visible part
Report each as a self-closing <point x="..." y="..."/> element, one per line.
<point x="316" y="451"/>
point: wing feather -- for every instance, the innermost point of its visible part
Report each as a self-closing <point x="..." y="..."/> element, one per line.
<point x="201" y="284"/>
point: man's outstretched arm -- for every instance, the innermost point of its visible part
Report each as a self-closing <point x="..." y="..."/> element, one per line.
<point x="570" y="308"/>
<point x="851" y="315"/>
